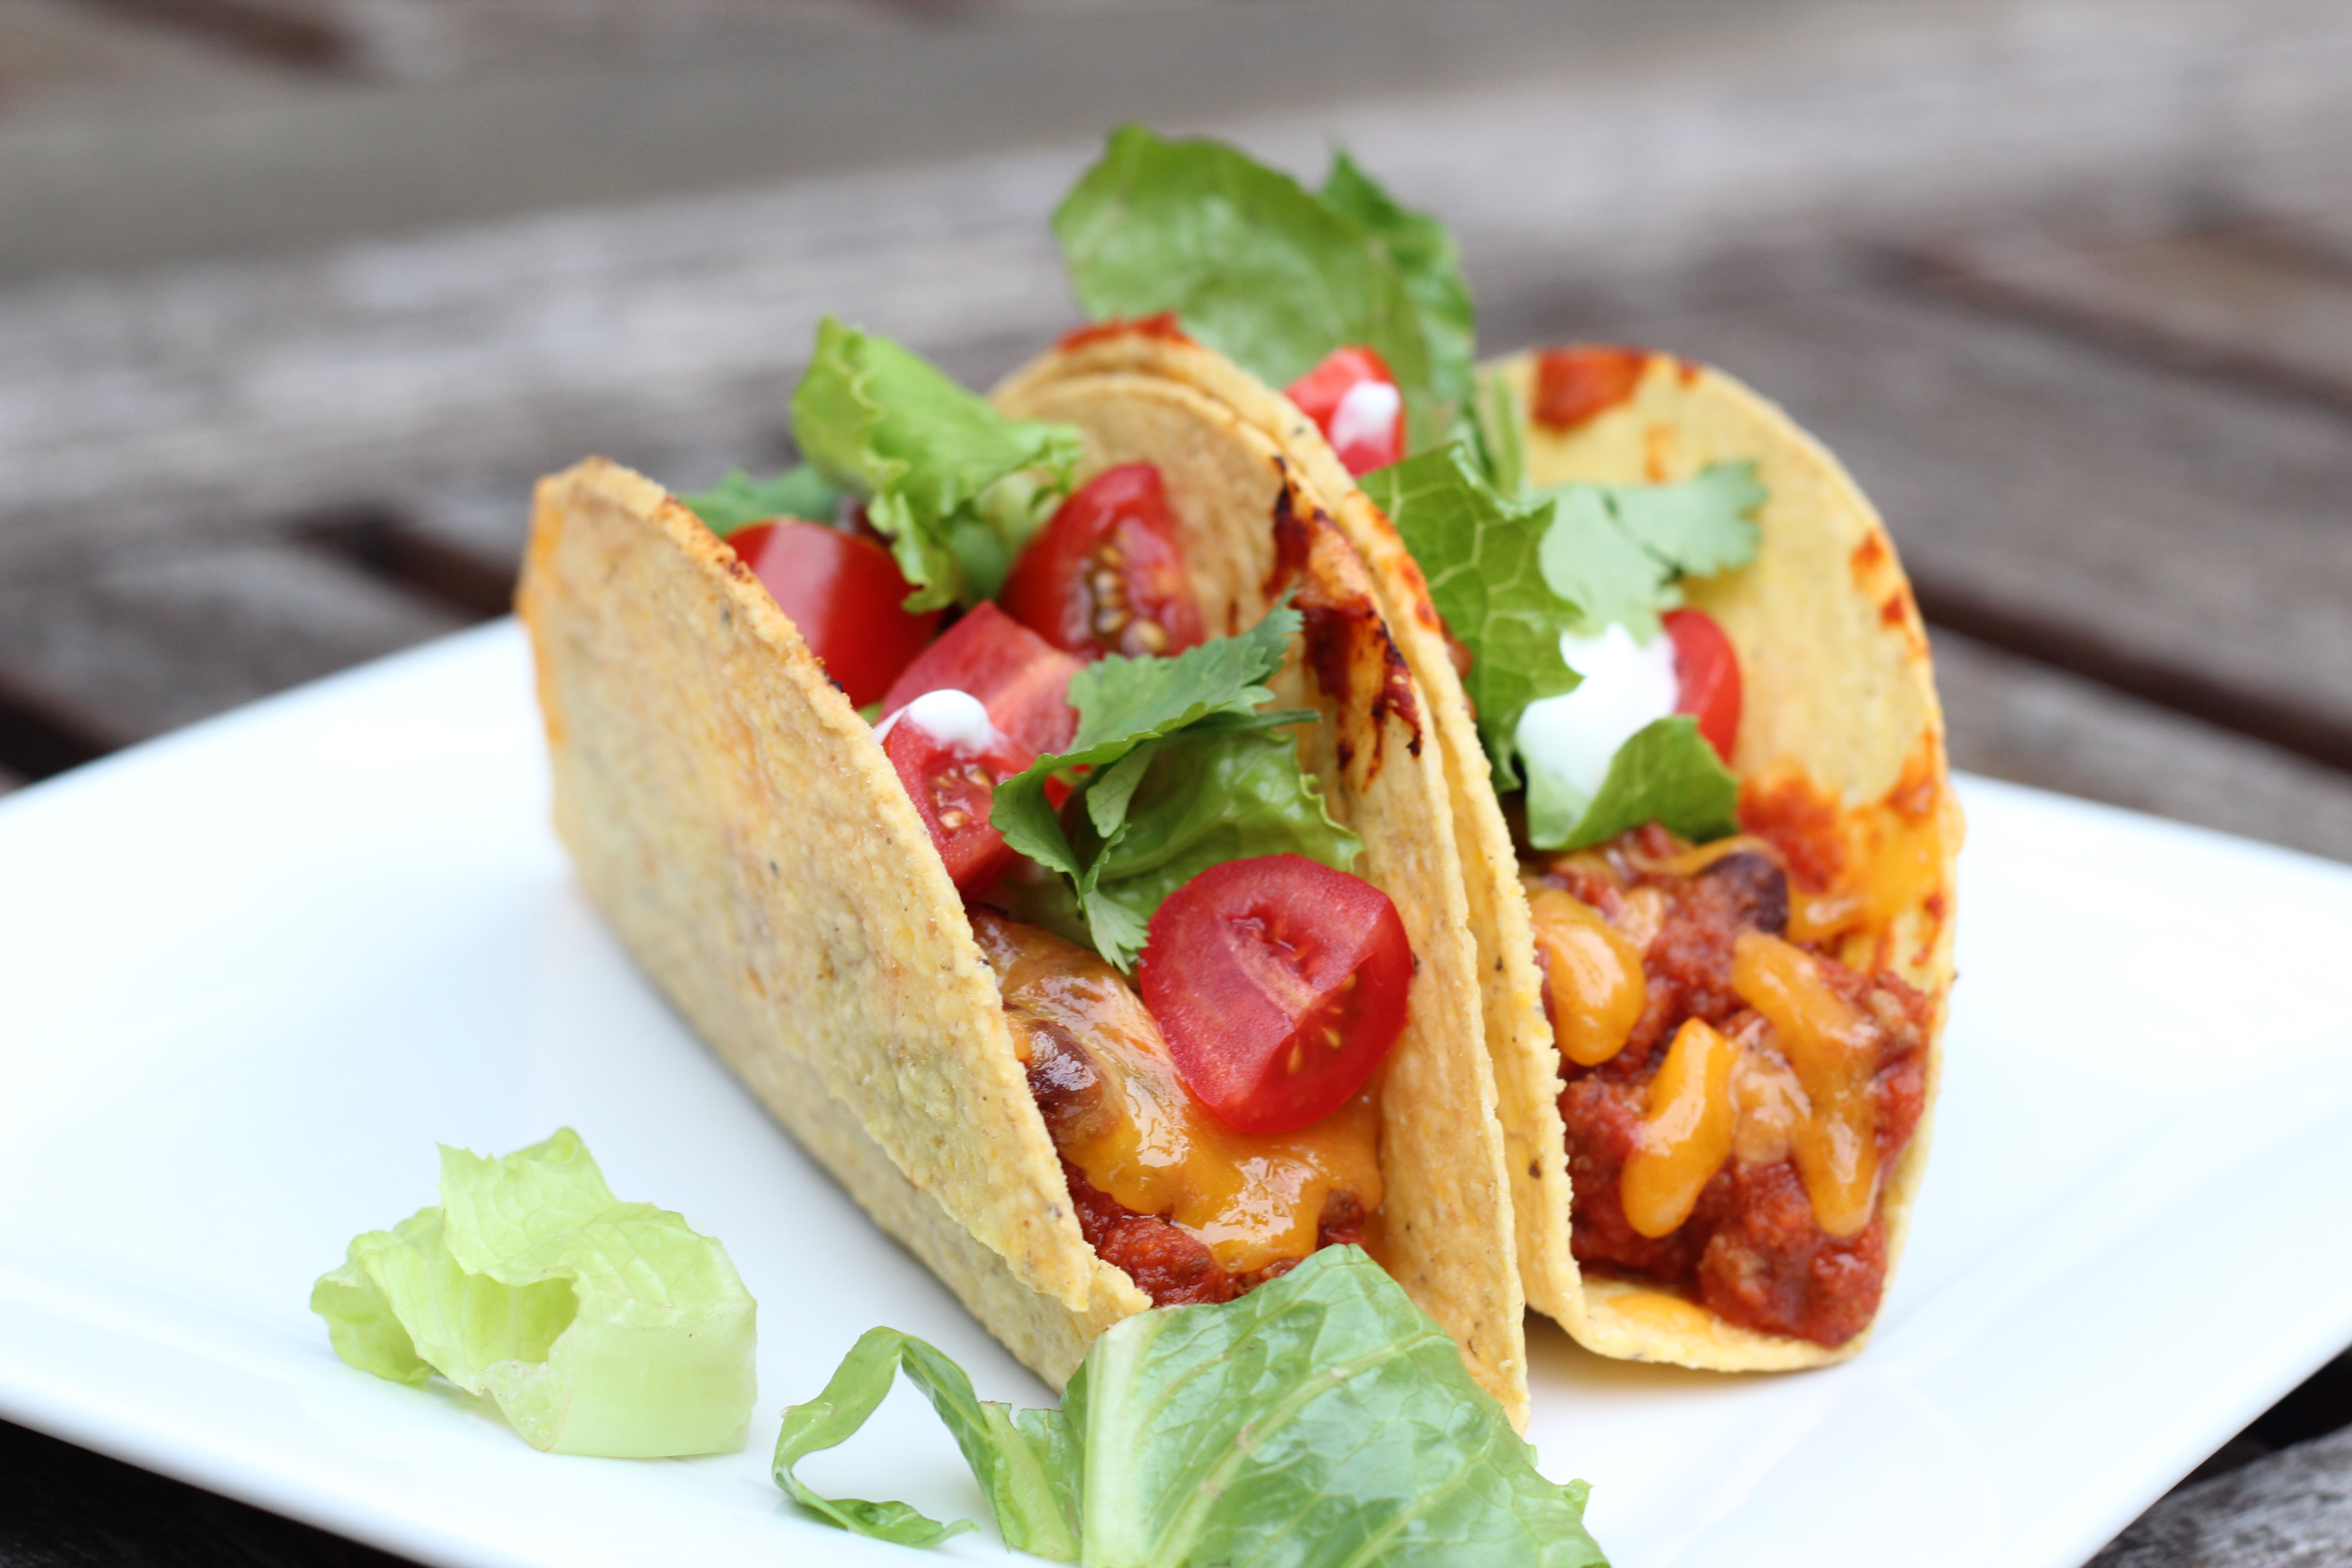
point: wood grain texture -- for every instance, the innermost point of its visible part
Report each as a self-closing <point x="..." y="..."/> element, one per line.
<point x="2265" y="301"/>
<point x="2289" y="1510"/>
<point x="156" y="642"/>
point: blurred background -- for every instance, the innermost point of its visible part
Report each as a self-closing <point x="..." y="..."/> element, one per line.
<point x="297" y="297"/>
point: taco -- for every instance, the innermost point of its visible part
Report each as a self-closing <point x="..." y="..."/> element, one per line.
<point x="1690" y="731"/>
<point x="1033" y="809"/>
<point x="1712" y="870"/>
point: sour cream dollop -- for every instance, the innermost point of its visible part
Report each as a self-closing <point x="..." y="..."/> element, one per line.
<point x="1366" y="414"/>
<point x="956" y="719"/>
<point x="1627" y="685"/>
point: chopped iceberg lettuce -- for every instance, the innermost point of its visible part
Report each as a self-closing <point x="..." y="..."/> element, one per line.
<point x="598" y="1327"/>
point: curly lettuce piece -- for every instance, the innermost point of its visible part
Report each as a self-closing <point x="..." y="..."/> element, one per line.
<point x="597" y="1327"/>
<point x="1268" y="272"/>
<point x="1481" y="553"/>
<point x="1321" y="1421"/>
<point x="955" y="487"/>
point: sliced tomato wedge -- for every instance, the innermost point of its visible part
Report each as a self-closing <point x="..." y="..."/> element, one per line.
<point x="950" y="759"/>
<point x="1280" y="985"/>
<point x="1706" y="673"/>
<point x="844" y="593"/>
<point x="1106" y="574"/>
<point x="1019" y="678"/>
<point x="1353" y="399"/>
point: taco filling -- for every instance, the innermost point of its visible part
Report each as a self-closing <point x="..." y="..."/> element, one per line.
<point x="1200" y="991"/>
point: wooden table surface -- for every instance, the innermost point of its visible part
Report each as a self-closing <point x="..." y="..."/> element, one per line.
<point x="2068" y="286"/>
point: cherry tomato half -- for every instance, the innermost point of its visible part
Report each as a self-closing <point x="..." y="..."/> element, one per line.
<point x="953" y="778"/>
<point x="1707" y="670"/>
<point x="844" y="593"/>
<point x="1106" y="574"/>
<point x="1019" y="677"/>
<point x="1352" y="398"/>
<point x="1280" y="985"/>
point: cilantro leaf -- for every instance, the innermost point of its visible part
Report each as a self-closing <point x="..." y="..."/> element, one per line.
<point x="1186" y="774"/>
<point x="1481" y="554"/>
<point x="1590" y="562"/>
<point x="1699" y="526"/>
<point x="1666" y="774"/>
<point x="954" y="485"/>
<point x="739" y="501"/>
<point x="1267" y="271"/>
<point x="1223" y="789"/>
<point x="1614" y="550"/>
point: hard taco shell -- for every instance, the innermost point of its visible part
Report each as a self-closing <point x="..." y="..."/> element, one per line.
<point x="731" y="815"/>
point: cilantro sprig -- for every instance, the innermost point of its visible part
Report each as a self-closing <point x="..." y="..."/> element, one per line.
<point x="1184" y="773"/>
<point x="739" y="501"/>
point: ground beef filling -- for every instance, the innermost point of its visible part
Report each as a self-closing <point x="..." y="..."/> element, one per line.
<point x="1750" y="1251"/>
<point x="1172" y="1265"/>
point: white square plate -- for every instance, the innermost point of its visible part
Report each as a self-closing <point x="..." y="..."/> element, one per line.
<point x="253" y="972"/>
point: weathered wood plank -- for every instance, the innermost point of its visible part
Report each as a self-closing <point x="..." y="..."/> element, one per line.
<point x="153" y="643"/>
<point x="2260" y="301"/>
<point x="1612" y="132"/>
<point x="2170" y="521"/>
<point x="2018" y="720"/>
<point x="2291" y="1510"/>
<point x="216" y="401"/>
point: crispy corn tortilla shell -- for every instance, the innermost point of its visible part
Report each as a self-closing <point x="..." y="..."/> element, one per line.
<point x="1839" y="696"/>
<point x="732" y="817"/>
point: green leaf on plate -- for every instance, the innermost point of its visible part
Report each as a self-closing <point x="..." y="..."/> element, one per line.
<point x="1321" y="1421"/>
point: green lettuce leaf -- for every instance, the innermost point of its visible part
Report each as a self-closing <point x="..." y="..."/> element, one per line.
<point x="1481" y="551"/>
<point x="739" y="501"/>
<point x="598" y="1327"/>
<point x="1184" y="773"/>
<point x="1267" y="271"/>
<point x="954" y="485"/>
<point x="1666" y="773"/>
<point x="1321" y="1421"/>
<point x="1422" y="251"/>
<point x="1027" y="1468"/>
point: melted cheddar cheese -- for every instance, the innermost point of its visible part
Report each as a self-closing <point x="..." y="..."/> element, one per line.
<point x="1834" y="1052"/>
<point x="1594" y="984"/>
<point x="1119" y="1113"/>
<point x="1687" y="1134"/>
